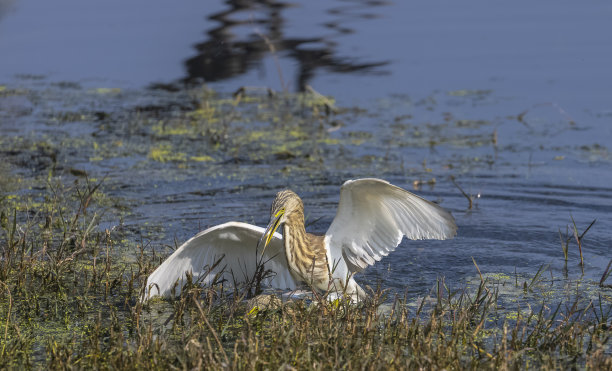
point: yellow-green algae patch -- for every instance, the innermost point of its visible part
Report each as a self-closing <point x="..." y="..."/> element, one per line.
<point x="183" y="128"/>
<point x="107" y="90"/>
<point x="165" y="153"/>
<point x="202" y="158"/>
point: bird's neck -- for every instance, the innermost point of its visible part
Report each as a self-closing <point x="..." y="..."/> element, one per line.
<point x="294" y="229"/>
<point x="306" y="253"/>
<point x="295" y="241"/>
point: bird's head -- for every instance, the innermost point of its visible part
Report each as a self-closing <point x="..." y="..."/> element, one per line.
<point x="286" y="204"/>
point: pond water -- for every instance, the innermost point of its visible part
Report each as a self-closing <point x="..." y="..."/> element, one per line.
<point x="512" y="100"/>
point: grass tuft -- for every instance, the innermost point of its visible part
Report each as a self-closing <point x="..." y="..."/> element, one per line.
<point x="70" y="299"/>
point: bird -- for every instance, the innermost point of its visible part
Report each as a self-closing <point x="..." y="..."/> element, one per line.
<point x="372" y="218"/>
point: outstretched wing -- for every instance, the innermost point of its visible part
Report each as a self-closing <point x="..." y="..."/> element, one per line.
<point x="235" y="244"/>
<point x="374" y="215"/>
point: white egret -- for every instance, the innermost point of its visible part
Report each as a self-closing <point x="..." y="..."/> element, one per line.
<point x="373" y="217"/>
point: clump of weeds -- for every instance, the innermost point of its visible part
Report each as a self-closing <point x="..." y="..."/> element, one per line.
<point x="69" y="299"/>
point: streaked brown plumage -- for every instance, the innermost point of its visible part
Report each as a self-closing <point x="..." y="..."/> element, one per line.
<point x="305" y="252"/>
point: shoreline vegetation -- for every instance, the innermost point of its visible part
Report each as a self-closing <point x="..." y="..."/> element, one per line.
<point x="69" y="299"/>
<point x="74" y="256"/>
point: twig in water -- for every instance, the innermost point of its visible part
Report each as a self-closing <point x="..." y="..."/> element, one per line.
<point x="605" y="274"/>
<point x="565" y="241"/>
<point x="579" y="238"/>
<point x="521" y="116"/>
<point x="272" y="49"/>
<point x="478" y="269"/>
<point x="328" y="103"/>
<point x="543" y="267"/>
<point x="470" y="198"/>
<point x="87" y="197"/>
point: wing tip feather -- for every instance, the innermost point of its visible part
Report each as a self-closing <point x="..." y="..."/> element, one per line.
<point x="410" y="215"/>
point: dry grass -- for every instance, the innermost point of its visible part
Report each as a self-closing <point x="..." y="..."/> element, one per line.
<point x="68" y="299"/>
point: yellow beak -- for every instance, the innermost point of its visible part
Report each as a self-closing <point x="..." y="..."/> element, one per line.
<point x="270" y="229"/>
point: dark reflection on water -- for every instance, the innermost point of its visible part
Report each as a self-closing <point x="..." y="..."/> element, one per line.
<point x="5" y="7"/>
<point x="226" y="53"/>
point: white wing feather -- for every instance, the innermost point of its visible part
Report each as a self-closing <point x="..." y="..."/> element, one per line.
<point x="235" y="243"/>
<point x="374" y="215"/>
